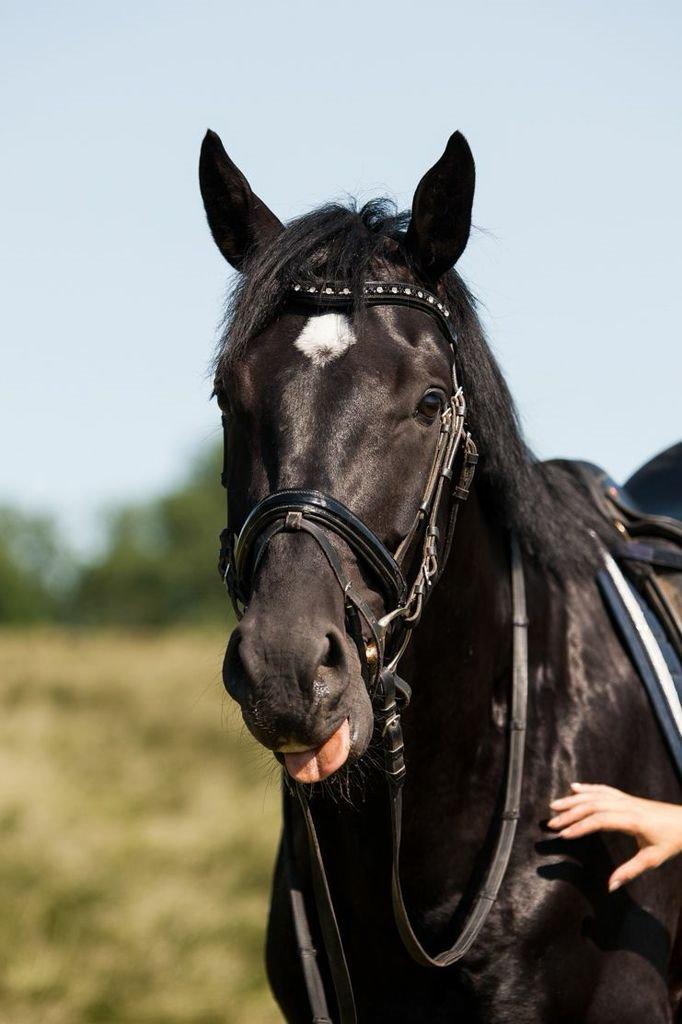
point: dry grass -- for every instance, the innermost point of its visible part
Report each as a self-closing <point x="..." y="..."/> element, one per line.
<point x="137" y="833"/>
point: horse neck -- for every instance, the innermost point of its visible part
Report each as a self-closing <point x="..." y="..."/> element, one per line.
<point x="460" y="657"/>
<point x="459" y="667"/>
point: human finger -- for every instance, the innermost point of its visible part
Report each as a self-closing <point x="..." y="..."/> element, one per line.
<point x="607" y="821"/>
<point x="594" y="787"/>
<point x="643" y="861"/>
<point x="577" y="812"/>
<point x="564" y="802"/>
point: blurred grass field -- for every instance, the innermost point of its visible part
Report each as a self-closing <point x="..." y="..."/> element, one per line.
<point x="138" y="828"/>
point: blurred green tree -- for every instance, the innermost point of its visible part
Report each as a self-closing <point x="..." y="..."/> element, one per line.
<point x="159" y="564"/>
<point x="35" y="570"/>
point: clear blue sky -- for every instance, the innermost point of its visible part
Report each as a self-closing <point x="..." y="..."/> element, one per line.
<point x="110" y="287"/>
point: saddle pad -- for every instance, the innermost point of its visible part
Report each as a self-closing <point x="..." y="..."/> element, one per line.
<point x="654" y="657"/>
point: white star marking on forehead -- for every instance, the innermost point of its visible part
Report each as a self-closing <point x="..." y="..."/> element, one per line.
<point x="325" y="338"/>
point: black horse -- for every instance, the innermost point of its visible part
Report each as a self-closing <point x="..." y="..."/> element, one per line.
<point x="348" y="403"/>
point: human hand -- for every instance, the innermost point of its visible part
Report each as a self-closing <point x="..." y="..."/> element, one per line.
<point x="657" y="827"/>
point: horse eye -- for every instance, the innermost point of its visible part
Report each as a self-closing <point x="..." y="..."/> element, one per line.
<point x="431" y="404"/>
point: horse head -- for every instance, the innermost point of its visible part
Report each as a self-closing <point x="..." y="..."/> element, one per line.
<point x="327" y="390"/>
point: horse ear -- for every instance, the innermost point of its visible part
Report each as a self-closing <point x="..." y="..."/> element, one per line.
<point x="441" y="210"/>
<point x="240" y="222"/>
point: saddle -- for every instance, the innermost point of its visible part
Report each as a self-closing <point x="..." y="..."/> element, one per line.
<point x="642" y="579"/>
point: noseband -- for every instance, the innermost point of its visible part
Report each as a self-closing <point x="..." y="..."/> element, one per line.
<point x="383" y="640"/>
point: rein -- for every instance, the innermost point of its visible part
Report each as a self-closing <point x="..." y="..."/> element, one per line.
<point x="383" y="641"/>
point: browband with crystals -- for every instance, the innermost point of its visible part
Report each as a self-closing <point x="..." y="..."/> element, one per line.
<point x="375" y="293"/>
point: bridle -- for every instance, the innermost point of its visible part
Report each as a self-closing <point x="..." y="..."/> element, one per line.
<point x="318" y="514"/>
<point x="381" y="641"/>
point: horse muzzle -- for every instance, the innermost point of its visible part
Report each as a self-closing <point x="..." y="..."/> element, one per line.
<point x="298" y="680"/>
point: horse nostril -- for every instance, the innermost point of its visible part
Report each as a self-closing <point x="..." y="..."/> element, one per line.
<point x="333" y="655"/>
<point x="234" y="676"/>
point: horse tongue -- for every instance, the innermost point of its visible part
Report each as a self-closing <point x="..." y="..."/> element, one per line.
<point x="319" y="762"/>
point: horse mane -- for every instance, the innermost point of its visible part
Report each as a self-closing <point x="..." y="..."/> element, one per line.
<point x="540" y="502"/>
